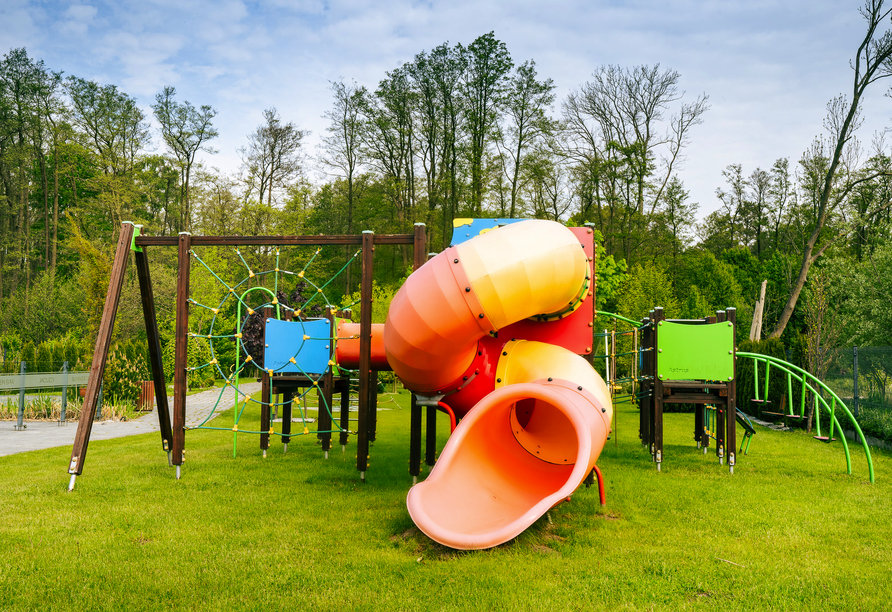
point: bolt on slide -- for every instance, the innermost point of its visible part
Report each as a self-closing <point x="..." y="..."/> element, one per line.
<point x="536" y="415"/>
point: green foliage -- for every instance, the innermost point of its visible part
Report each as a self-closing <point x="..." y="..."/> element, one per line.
<point x="610" y="274"/>
<point x="381" y="298"/>
<point x="123" y="377"/>
<point x="713" y="279"/>
<point x="44" y="359"/>
<point x="11" y="345"/>
<point x="647" y="286"/>
<point x="198" y="372"/>
<point x="28" y="355"/>
<point x="694" y="306"/>
<point x="875" y="421"/>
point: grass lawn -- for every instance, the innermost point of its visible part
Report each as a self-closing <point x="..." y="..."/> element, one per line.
<point x="788" y="531"/>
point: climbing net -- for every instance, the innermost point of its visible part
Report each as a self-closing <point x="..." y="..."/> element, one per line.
<point x="248" y="300"/>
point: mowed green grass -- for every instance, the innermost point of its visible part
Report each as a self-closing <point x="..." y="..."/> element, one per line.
<point x="788" y="531"/>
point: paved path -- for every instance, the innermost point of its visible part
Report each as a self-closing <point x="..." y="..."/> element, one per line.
<point x="48" y="434"/>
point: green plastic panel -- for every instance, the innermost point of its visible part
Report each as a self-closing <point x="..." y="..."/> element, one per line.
<point x="695" y="352"/>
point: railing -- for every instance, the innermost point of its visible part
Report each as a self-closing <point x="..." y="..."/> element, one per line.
<point x="41" y="380"/>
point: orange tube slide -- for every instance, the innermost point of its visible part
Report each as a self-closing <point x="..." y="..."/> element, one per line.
<point x="528" y="444"/>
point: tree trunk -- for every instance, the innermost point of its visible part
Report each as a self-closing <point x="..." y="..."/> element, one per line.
<point x="55" y="209"/>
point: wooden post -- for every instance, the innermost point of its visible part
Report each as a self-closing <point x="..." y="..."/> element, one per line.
<point x="756" y="326"/>
<point x="419" y="257"/>
<point x="644" y="404"/>
<point x="154" y="340"/>
<point x="722" y="416"/>
<point x="345" y="412"/>
<point x="657" y="422"/>
<point x="415" y="439"/>
<point x="266" y="395"/>
<point x="430" y="436"/>
<point x="731" y="436"/>
<point x="373" y="398"/>
<point x="287" y="403"/>
<point x="326" y="394"/>
<point x="181" y="360"/>
<point x="100" y="353"/>
<point x="365" y="353"/>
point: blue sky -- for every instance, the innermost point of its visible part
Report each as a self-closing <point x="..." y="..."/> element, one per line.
<point x="769" y="68"/>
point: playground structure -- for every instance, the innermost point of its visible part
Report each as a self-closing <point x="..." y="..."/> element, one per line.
<point x="493" y="331"/>
<point x="676" y="374"/>
<point x="669" y="371"/>
<point x="173" y="433"/>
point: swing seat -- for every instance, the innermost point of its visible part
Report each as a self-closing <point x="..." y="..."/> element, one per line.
<point x="795" y="420"/>
<point x="824" y="439"/>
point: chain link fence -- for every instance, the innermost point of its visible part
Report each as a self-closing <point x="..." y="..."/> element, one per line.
<point x="862" y="377"/>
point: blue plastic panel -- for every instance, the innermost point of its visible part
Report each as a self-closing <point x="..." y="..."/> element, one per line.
<point x="308" y="342"/>
<point x="465" y="229"/>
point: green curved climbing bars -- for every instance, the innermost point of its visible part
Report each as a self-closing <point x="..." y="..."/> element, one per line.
<point x="811" y="383"/>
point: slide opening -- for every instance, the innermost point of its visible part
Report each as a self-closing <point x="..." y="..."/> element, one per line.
<point x="544" y="431"/>
<point x="518" y="453"/>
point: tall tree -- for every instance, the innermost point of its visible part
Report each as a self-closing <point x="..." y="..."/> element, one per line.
<point x="483" y="87"/>
<point x="624" y="148"/>
<point x="113" y="128"/>
<point x="872" y="62"/>
<point x="186" y="131"/>
<point x="526" y="100"/>
<point x="272" y="157"/>
<point x="389" y="141"/>
<point x="342" y="149"/>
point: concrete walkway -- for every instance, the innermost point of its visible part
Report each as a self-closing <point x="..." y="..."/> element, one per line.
<point x="48" y="434"/>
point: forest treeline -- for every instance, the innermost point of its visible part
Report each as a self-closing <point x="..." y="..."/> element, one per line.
<point x="457" y="131"/>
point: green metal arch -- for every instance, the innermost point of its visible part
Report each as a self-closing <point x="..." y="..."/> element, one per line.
<point x="812" y="383"/>
<point x="620" y="317"/>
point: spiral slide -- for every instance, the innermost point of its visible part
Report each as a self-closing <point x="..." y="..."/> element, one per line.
<point x="536" y="415"/>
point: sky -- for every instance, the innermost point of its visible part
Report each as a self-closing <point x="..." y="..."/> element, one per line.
<point x="768" y="67"/>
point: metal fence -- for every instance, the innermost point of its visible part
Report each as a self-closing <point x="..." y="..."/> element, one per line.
<point x="862" y="377"/>
<point x="23" y="380"/>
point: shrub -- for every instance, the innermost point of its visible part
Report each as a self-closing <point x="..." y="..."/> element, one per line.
<point x="123" y="378"/>
<point x="199" y="354"/>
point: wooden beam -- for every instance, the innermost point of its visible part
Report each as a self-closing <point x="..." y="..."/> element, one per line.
<point x="266" y="393"/>
<point x="326" y="391"/>
<point x="154" y="340"/>
<point x="181" y="361"/>
<point x="365" y="352"/>
<point x="731" y="418"/>
<point x="275" y="240"/>
<point x="100" y="353"/>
